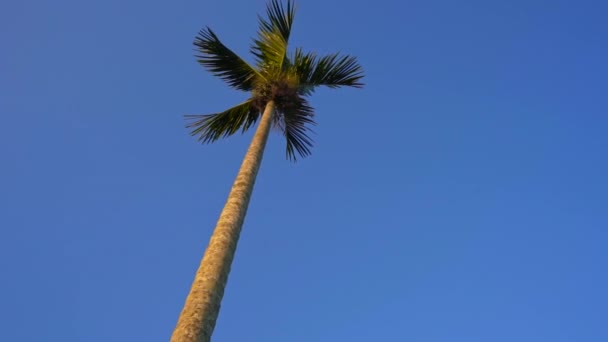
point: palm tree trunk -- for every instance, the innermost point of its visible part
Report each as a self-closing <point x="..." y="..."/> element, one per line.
<point x="200" y="312"/>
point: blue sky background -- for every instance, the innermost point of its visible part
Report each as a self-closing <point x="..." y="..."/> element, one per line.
<point x="461" y="196"/>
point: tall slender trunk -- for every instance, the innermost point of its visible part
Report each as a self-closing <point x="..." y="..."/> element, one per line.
<point x="197" y="320"/>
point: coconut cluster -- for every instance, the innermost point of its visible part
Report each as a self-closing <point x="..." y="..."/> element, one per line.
<point x="283" y="92"/>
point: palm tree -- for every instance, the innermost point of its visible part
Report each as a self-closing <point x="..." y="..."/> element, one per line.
<point x="278" y="85"/>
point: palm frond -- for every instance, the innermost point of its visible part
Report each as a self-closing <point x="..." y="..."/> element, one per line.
<point x="211" y="127"/>
<point x="224" y="63"/>
<point x="332" y="71"/>
<point x="270" y="48"/>
<point x="295" y="119"/>
<point x="279" y="18"/>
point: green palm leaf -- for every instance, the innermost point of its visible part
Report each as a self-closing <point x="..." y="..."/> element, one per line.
<point x="295" y="119"/>
<point x="332" y="71"/>
<point x="270" y="48"/>
<point x="224" y="63"/>
<point x="279" y="18"/>
<point x="211" y="127"/>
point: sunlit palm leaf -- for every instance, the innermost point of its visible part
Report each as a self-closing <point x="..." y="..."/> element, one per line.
<point x="270" y="48"/>
<point x="211" y="127"/>
<point x="331" y="71"/>
<point x="224" y="63"/>
<point x="279" y="18"/>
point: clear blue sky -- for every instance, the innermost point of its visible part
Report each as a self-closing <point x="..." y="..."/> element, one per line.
<point x="461" y="196"/>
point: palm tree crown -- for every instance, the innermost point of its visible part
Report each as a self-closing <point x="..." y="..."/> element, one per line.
<point x="286" y="79"/>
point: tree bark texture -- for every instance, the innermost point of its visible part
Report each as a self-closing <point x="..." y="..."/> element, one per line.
<point x="197" y="319"/>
